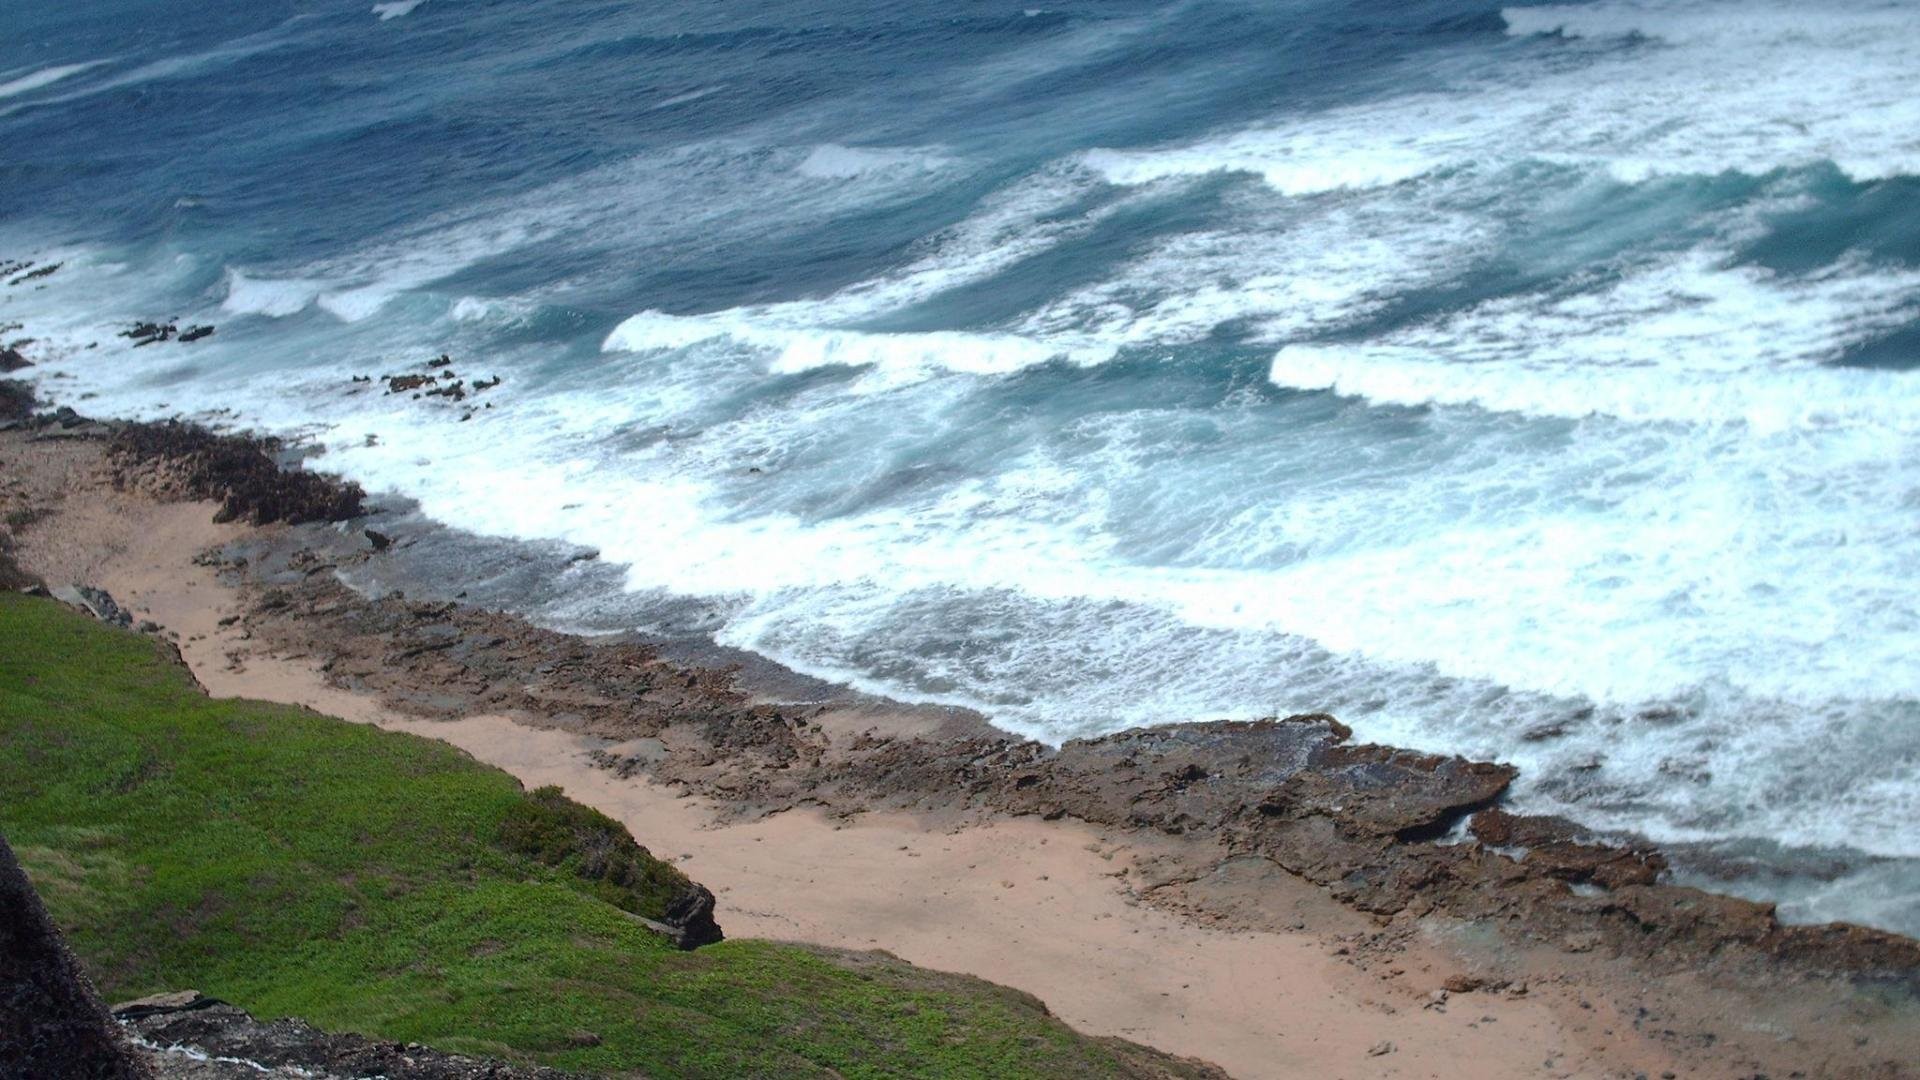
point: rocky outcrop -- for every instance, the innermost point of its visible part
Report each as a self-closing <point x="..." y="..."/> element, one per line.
<point x="406" y="384"/>
<point x="96" y="602"/>
<point x="16" y="401"/>
<point x="438" y="380"/>
<point x="1383" y="829"/>
<point x="688" y="920"/>
<point x="11" y="361"/>
<point x="184" y="461"/>
<point x="24" y="272"/>
<point x="194" y="1037"/>
<point x="147" y="333"/>
<point x="51" y="1022"/>
<point x="1561" y="849"/>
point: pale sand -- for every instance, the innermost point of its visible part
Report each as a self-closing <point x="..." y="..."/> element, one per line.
<point x="1040" y="906"/>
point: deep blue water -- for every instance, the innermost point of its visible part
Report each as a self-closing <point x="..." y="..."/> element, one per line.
<point x="1533" y="383"/>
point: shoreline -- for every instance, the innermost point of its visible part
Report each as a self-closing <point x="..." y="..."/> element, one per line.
<point x="1061" y="885"/>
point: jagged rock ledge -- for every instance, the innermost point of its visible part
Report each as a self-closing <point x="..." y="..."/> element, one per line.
<point x="244" y="474"/>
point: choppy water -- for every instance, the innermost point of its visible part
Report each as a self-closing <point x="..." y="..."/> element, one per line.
<point x="1533" y="383"/>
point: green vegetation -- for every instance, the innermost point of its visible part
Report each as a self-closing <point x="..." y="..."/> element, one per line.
<point x="549" y="827"/>
<point x="299" y="865"/>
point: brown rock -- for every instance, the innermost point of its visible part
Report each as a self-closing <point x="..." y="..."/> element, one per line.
<point x="400" y="384"/>
<point x="184" y="461"/>
<point x="16" y="400"/>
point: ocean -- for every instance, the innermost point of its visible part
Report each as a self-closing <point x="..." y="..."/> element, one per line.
<point x="1534" y="383"/>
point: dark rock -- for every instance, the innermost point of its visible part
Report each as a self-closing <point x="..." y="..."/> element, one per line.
<point x="175" y="460"/>
<point x="32" y="275"/>
<point x="191" y="1026"/>
<point x="51" y="1022"/>
<point x="195" y="333"/>
<point x="11" y="361"/>
<point x="440" y="361"/>
<point x="146" y="333"/>
<point x="95" y="602"/>
<point x="691" y="917"/>
<point x="400" y="384"/>
<point x="1502" y="829"/>
<point x="486" y="384"/>
<point x="380" y="541"/>
<point x="1559" y="848"/>
<point x="16" y="400"/>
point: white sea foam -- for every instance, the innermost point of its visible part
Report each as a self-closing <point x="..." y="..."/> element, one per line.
<point x="1399" y="591"/>
<point x="1297" y="165"/>
<point x="45" y="77"/>
<point x="740" y="189"/>
<point x="835" y="162"/>
<point x="273" y="298"/>
<point x="172" y="66"/>
<point x="1788" y="88"/>
<point x="1688" y="340"/>
<point x="687" y="98"/>
<point x="394" y="9"/>
<point x="470" y="309"/>
<point x="1279" y="271"/>
<point x="898" y="358"/>
<point x="802" y="335"/>
<point x="1406" y="375"/>
<point x="1575" y="601"/>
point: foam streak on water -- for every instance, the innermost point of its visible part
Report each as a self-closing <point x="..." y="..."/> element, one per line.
<point x="1534" y="384"/>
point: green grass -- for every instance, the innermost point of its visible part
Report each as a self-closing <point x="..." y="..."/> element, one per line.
<point x="363" y="880"/>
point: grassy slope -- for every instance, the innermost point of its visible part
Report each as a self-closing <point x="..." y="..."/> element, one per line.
<point x="299" y="865"/>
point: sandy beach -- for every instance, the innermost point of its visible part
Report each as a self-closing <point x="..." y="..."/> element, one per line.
<point x="1297" y="985"/>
